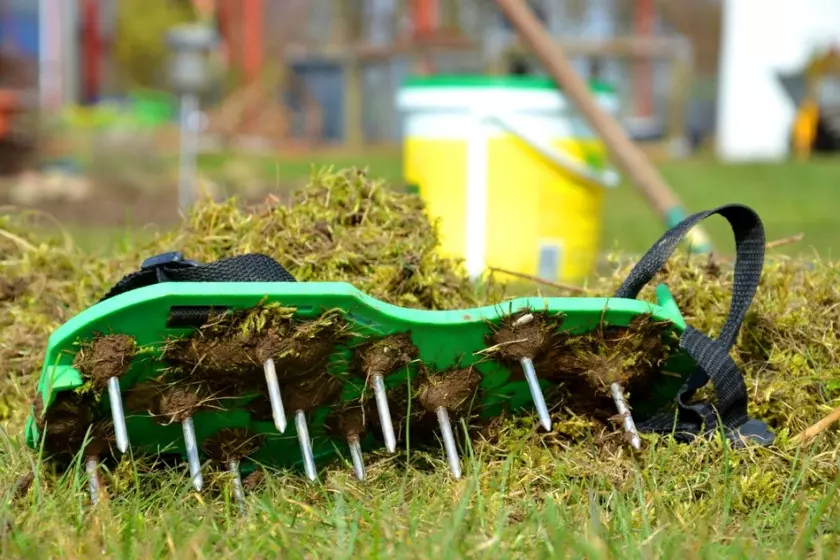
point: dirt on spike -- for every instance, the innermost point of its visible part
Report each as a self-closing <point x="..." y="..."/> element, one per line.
<point x="179" y="402"/>
<point x="145" y="397"/>
<point x="65" y="422"/>
<point x="452" y="390"/>
<point x="588" y="364"/>
<point x="253" y="481"/>
<point x="22" y="486"/>
<point x="308" y="393"/>
<point x="104" y="357"/>
<point x="525" y="334"/>
<point x="232" y="444"/>
<point x="384" y="356"/>
<point x="102" y="438"/>
<point x="227" y="354"/>
<point x="349" y="421"/>
<point x="302" y="393"/>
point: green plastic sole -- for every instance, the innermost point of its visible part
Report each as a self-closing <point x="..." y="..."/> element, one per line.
<point x="444" y="339"/>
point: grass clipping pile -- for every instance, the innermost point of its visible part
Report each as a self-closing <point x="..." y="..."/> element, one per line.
<point x="345" y="227"/>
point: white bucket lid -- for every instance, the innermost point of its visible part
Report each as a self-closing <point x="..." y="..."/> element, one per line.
<point x="513" y="93"/>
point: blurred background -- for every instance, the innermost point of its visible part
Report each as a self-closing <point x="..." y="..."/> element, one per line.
<point x="731" y="101"/>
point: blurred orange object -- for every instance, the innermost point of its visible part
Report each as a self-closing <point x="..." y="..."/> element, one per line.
<point x="805" y="128"/>
<point x="9" y="106"/>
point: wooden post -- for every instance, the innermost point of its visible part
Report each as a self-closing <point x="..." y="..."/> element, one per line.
<point x="625" y="153"/>
<point x="252" y="45"/>
<point x="351" y="14"/>
<point x="425" y="16"/>
<point x="642" y="67"/>
<point x="681" y="80"/>
<point x="91" y="50"/>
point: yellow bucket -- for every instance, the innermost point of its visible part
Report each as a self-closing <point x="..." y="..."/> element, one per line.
<point x="513" y="175"/>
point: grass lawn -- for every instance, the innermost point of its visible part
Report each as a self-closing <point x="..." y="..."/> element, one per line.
<point x="519" y="498"/>
<point x="791" y="198"/>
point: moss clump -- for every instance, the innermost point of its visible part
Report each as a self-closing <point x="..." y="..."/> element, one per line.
<point x="342" y="227"/>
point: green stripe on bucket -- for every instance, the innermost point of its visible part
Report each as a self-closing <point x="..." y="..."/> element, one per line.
<point x="480" y="81"/>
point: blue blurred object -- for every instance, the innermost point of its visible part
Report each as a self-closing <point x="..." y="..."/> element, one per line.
<point x="19" y="29"/>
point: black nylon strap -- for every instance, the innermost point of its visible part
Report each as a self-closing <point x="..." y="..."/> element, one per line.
<point x="711" y="355"/>
<point x="252" y="267"/>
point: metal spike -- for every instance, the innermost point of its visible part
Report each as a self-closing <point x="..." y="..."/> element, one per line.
<point x="94" y="482"/>
<point x="277" y="410"/>
<point x="192" y="453"/>
<point x="384" y="412"/>
<point x="536" y="392"/>
<point x="305" y="445"/>
<point x="449" y="441"/>
<point x="238" y="490"/>
<point x="356" y="455"/>
<point x="624" y="410"/>
<point x="117" y="414"/>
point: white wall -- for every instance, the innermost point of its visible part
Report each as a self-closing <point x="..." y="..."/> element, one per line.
<point x="760" y="39"/>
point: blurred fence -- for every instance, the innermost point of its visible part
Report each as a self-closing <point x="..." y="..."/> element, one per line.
<point x="317" y="48"/>
<point x="314" y="54"/>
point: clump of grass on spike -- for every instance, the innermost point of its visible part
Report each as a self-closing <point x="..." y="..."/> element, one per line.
<point x="512" y="339"/>
<point x="228" y="352"/>
<point x="589" y="363"/>
<point x="102" y="358"/>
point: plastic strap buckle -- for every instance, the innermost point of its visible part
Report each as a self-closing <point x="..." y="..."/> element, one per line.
<point x="166" y="260"/>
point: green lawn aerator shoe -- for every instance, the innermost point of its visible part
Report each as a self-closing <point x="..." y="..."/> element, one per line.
<point x="235" y="361"/>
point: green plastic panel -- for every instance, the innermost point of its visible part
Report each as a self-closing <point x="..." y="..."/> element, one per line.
<point x="444" y="339"/>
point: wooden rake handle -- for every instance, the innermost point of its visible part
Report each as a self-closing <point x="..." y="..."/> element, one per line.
<point x="628" y="157"/>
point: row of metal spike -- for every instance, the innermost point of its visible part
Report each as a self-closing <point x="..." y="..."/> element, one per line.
<point x="381" y="399"/>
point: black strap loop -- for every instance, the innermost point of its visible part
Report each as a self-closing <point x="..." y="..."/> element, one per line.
<point x="252" y="267"/>
<point x="711" y="355"/>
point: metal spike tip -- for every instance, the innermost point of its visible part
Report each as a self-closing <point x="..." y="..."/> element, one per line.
<point x="536" y="392"/>
<point x="449" y="442"/>
<point x="192" y="453"/>
<point x="120" y="430"/>
<point x="624" y="411"/>
<point x="238" y="490"/>
<point x="356" y="455"/>
<point x="277" y="410"/>
<point x="305" y="445"/>
<point x="94" y="482"/>
<point x="384" y="413"/>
